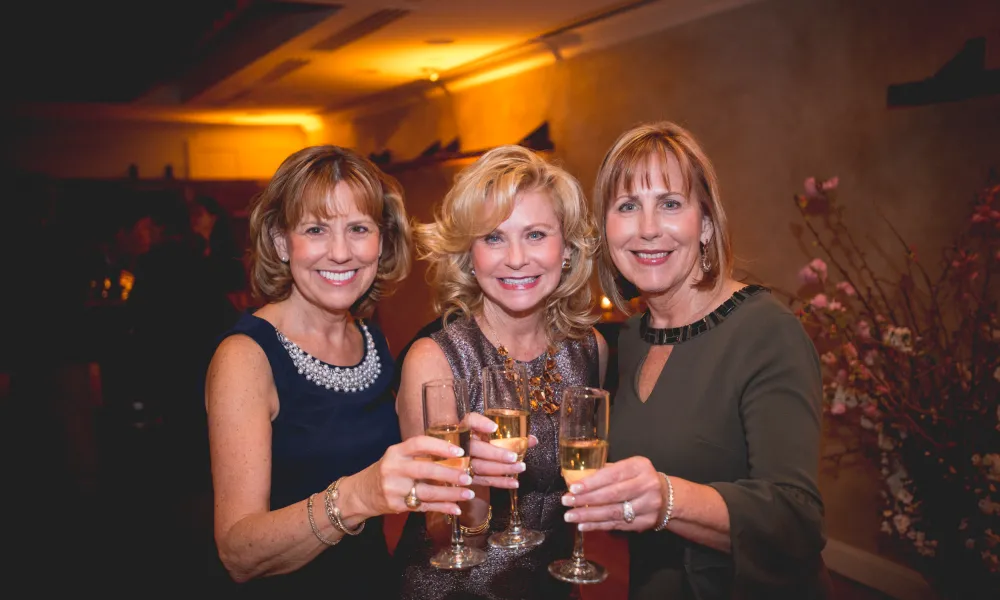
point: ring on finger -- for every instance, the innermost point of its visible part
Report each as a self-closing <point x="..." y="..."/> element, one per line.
<point x="628" y="513"/>
<point x="411" y="499"/>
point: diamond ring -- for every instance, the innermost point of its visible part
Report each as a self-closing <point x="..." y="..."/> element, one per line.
<point x="628" y="513"/>
<point x="412" y="502"/>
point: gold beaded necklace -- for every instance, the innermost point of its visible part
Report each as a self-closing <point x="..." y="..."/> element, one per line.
<point x="540" y="390"/>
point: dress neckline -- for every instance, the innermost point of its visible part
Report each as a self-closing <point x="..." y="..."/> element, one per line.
<point x="678" y="335"/>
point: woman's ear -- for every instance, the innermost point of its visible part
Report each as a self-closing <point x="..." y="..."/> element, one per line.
<point x="280" y="245"/>
<point x="707" y="229"/>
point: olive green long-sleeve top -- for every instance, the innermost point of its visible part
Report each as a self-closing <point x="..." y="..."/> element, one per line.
<point x="736" y="408"/>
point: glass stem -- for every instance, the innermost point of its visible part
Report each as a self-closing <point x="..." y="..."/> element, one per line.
<point x="515" y="514"/>
<point x="578" y="560"/>
<point x="457" y="542"/>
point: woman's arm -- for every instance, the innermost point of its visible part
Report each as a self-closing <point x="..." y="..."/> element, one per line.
<point x="490" y="464"/>
<point x="252" y="540"/>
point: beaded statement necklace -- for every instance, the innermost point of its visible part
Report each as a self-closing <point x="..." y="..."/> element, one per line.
<point x="338" y="379"/>
<point x="676" y="335"/>
<point x="540" y="390"/>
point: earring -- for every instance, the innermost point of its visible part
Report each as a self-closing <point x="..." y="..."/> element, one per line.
<point x="473" y="271"/>
<point x="283" y="259"/>
<point x="706" y="265"/>
<point x="565" y="265"/>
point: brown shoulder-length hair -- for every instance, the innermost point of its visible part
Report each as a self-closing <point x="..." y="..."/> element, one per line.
<point x="483" y="197"/>
<point x="629" y="161"/>
<point x="302" y="186"/>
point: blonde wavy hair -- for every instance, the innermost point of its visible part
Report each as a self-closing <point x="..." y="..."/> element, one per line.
<point x="300" y="187"/>
<point x="482" y="198"/>
<point x="630" y="161"/>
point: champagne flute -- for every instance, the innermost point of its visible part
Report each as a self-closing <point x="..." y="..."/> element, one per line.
<point x="505" y="399"/>
<point x="583" y="449"/>
<point x="446" y="409"/>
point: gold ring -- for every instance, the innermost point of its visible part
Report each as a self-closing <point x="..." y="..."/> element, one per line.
<point x="412" y="502"/>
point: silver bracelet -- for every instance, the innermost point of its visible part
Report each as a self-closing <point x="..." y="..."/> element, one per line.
<point x="312" y="524"/>
<point x="670" y="504"/>
<point x="333" y="511"/>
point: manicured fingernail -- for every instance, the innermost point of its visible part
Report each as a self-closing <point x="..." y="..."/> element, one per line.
<point x="516" y="483"/>
<point x="493" y="427"/>
<point x="521" y="467"/>
<point x="468" y="494"/>
<point x="510" y="457"/>
<point x="570" y="517"/>
<point x="456" y="511"/>
<point x="576" y="488"/>
<point x="568" y="500"/>
<point x="581" y="527"/>
<point x="457" y="451"/>
<point x="465" y="480"/>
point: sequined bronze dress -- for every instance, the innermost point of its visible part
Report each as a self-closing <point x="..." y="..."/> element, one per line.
<point x="506" y="574"/>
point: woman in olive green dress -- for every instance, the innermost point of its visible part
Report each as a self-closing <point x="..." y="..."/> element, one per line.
<point x="715" y="430"/>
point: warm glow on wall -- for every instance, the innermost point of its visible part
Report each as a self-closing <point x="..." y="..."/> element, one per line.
<point x="508" y="70"/>
<point x="308" y="122"/>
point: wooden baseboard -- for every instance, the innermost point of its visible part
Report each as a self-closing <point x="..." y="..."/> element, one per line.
<point x="876" y="572"/>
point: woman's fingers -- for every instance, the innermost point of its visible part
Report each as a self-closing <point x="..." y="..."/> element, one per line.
<point x="423" y="445"/>
<point x="532" y="441"/>
<point x="480" y="423"/>
<point x="485" y="451"/>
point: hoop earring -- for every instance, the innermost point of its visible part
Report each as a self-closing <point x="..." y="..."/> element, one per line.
<point x="706" y="265"/>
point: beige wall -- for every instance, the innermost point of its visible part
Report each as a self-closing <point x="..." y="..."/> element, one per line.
<point x="776" y="91"/>
<point x="97" y="149"/>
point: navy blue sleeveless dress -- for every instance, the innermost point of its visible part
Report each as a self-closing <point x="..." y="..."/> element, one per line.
<point x="318" y="436"/>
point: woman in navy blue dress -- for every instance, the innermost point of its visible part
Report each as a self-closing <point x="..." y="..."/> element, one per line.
<point x="305" y="445"/>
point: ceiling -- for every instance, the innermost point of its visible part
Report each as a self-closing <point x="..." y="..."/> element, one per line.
<point x="267" y="56"/>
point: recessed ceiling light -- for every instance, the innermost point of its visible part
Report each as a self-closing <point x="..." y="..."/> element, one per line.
<point x="439" y="41"/>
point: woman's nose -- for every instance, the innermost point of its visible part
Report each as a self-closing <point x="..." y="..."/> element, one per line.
<point x="515" y="256"/>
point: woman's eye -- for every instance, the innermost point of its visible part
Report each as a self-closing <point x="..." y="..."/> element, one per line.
<point x="536" y="235"/>
<point x="360" y="229"/>
<point x="627" y="206"/>
<point x="671" y="203"/>
<point x="314" y="230"/>
<point x="491" y="238"/>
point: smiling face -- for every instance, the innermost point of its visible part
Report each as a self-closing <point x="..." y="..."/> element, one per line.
<point x="655" y="231"/>
<point x="333" y="260"/>
<point x="519" y="264"/>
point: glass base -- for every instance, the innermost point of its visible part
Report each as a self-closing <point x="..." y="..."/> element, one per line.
<point x="518" y="538"/>
<point x="464" y="558"/>
<point x="570" y="571"/>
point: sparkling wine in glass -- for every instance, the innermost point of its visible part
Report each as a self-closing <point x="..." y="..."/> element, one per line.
<point x="446" y="408"/>
<point x="583" y="448"/>
<point x="505" y="399"/>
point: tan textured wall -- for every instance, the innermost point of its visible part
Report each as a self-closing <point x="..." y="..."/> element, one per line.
<point x="776" y="91"/>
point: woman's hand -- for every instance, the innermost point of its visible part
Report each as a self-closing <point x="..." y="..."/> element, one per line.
<point x="410" y="465"/>
<point x="598" y="499"/>
<point x="493" y="465"/>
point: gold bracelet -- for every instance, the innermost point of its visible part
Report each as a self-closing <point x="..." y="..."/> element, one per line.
<point x="312" y="524"/>
<point x="333" y="511"/>
<point x="479" y="528"/>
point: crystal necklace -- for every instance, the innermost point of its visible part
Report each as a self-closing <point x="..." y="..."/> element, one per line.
<point x="338" y="379"/>
<point x="540" y="389"/>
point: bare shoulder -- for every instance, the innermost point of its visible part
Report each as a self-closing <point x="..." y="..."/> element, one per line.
<point x="239" y="364"/>
<point x="425" y="360"/>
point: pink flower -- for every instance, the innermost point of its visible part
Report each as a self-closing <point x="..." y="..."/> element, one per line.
<point x="864" y="330"/>
<point x="815" y="190"/>
<point x="814" y="272"/>
<point x="835" y="305"/>
<point x="837" y="408"/>
<point x="842" y="376"/>
<point x="819" y="301"/>
<point x="850" y="351"/>
<point x="846" y="288"/>
<point x="829" y="358"/>
<point x="870" y="410"/>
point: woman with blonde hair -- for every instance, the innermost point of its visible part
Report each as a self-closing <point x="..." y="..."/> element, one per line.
<point x="715" y="431"/>
<point x="510" y="254"/>
<point x="305" y="447"/>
